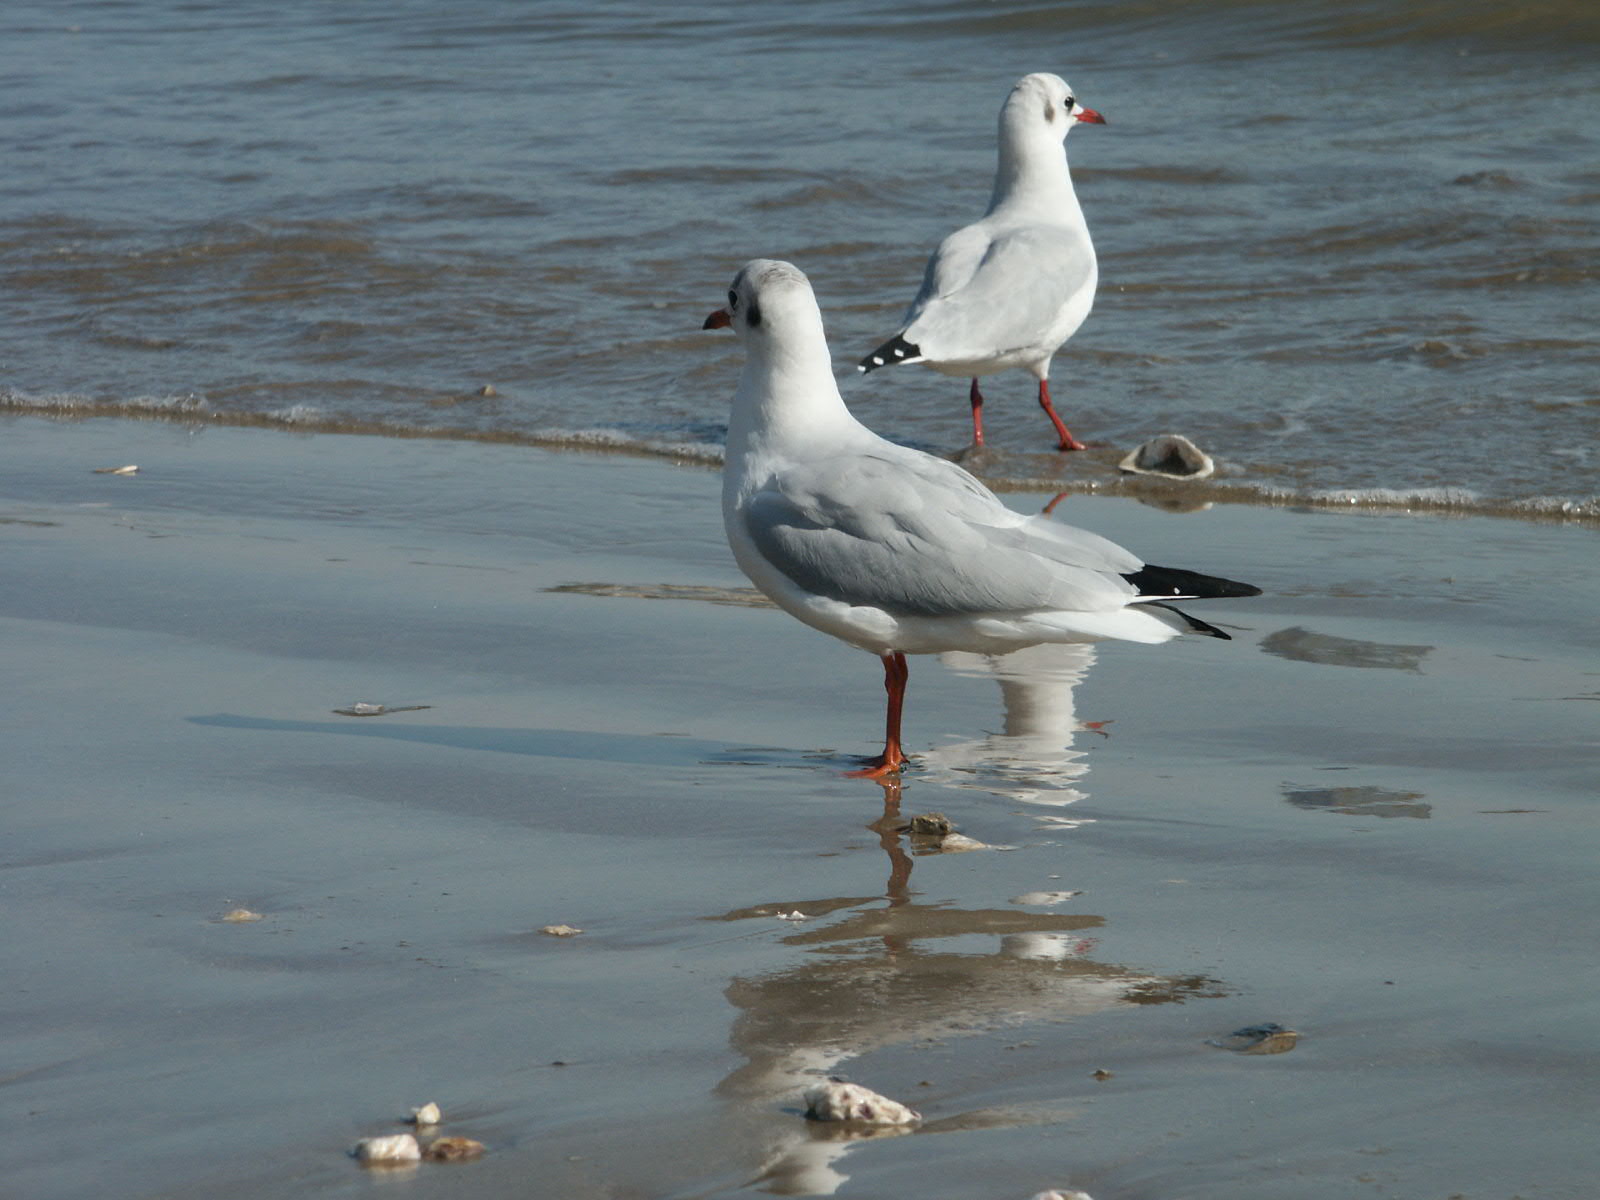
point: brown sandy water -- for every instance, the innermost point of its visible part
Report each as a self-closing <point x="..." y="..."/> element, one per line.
<point x="1369" y="818"/>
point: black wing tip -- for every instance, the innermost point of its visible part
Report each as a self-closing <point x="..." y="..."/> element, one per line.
<point x="1196" y="625"/>
<point x="1157" y="581"/>
<point x="893" y="352"/>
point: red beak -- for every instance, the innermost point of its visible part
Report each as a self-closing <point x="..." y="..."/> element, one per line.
<point x="718" y="320"/>
<point x="1091" y="116"/>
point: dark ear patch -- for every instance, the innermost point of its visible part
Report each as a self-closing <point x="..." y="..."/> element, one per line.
<point x="1049" y="111"/>
<point x="752" y="315"/>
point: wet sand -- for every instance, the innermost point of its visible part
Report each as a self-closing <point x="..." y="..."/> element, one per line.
<point x="1369" y="818"/>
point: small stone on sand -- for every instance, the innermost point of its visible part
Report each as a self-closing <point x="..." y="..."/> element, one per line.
<point x="380" y="1151"/>
<point x="240" y="916"/>
<point x="1269" y="1038"/>
<point x="428" y="1114"/>
<point x="840" y="1101"/>
<point x="930" y="825"/>
<point x="488" y="389"/>
<point x="560" y="930"/>
<point x="452" y="1149"/>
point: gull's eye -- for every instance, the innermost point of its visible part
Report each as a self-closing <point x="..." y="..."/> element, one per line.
<point x="1071" y="100"/>
<point x="733" y="299"/>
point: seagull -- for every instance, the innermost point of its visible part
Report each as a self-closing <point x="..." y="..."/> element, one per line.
<point x="1007" y="290"/>
<point x="893" y="550"/>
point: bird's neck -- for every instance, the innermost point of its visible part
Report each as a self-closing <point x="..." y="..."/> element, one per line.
<point x="787" y="395"/>
<point x="1032" y="177"/>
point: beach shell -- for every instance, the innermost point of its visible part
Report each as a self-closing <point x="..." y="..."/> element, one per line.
<point x="488" y="389"/>
<point x="956" y="842"/>
<point x="240" y="916"/>
<point x="428" y="1114"/>
<point x="1171" y="456"/>
<point x="1063" y="1196"/>
<point x="130" y="469"/>
<point x="840" y="1101"/>
<point x="362" y="709"/>
<point x="1269" y="1038"/>
<point x="382" y="1151"/>
<point x="560" y="930"/>
<point x="1101" y="1075"/>
<point x="796" y="915"/>
<point x="1044" y="897"/>
<point x="452" y="1149"/>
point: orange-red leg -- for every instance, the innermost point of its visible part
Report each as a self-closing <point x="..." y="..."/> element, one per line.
<point x="976" y="397"/>
<point x="895" y="673"/>
<point x="1068" y="442"/>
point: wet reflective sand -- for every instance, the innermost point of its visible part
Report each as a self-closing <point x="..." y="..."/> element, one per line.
<point x="1183" y="842"/>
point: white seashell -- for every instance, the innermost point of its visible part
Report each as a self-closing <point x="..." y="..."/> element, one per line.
<point x="130" y="469"/>
<point x="1171" y="456"/>
<point x="1063" y="1196"/>
<point x="362" y="708"/>
<point x="399" y="1148"/>
<point x="239" y="916"/>
<point x="560" y="930"/>
<point x="956" y="842"/>
<point x="839" y="1101"/>
<point x="1044" y="897"/>
<point x="428" y="1114"/>
<point x="796" y="915"/>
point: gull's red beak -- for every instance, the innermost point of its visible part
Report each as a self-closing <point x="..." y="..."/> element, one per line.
<point x="718" y="320"/>
<point x="1091" y="116"/>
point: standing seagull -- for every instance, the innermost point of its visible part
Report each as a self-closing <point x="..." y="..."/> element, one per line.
<point x="894" y="550"/>
<point x="1006" y="291"/>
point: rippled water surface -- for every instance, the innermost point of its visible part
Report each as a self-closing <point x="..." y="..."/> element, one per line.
<point x="1346" y="247"/>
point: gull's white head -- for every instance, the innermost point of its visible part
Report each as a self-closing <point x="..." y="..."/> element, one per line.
<point x="1044" y="102"/>
<point x="766" y="296"/>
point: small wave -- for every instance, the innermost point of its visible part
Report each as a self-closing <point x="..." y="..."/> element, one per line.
<point x="191" y="409"/>
<point x="72" y="404"/>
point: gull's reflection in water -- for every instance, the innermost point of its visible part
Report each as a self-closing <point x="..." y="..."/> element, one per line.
<point x="1032" y="757"/>
<point x="890" y="970"/>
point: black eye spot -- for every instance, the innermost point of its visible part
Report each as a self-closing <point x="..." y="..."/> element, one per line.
<point x="733" y="299"/>
<point x="752" y="316"/>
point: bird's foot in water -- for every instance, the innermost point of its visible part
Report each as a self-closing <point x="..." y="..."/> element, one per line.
<point x="880" y="766"/>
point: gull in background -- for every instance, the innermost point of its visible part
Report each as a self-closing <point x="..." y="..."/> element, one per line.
<point x="893" y="550"/>
<point x="1007" y="290"/>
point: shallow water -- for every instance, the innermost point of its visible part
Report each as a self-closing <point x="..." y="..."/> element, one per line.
<point x="1345" y="247"/>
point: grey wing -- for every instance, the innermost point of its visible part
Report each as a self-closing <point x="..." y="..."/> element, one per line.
<point x="981" y="296"/>
<point x="922" y="538"/>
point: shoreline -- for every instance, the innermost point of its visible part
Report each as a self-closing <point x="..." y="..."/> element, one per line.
<point x="1018" y="472"/>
